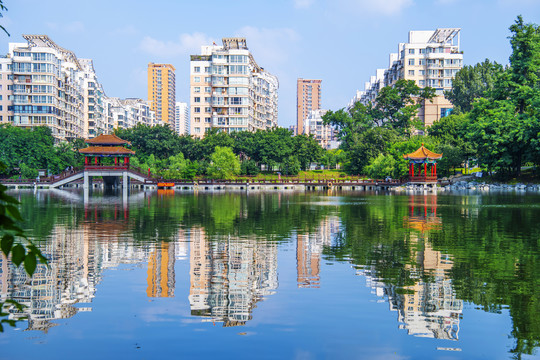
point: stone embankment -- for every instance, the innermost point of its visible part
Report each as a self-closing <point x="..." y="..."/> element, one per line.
<point x="483" y="186"/>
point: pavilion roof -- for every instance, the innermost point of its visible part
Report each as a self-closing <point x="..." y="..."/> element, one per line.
<point x="421" y="154"/>
<point x="107" y="140"/>
<point x="106" y="150"/>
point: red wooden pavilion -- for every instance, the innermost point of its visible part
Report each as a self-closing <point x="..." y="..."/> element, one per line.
<point x="106" y="146"/>
<point x="427" y="158"/>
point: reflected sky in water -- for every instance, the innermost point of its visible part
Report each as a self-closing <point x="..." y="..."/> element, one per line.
<point x="297" y="275"/>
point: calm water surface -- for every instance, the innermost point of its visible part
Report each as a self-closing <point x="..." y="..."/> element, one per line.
<point x="303" y="276"/>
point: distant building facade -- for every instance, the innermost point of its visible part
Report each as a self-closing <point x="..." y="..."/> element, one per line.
<point x="43" y="87"/>
<point x="430" y="58"/>
<point x="308" y="98"/>
<point x="162" y="91"/>
<point x="43" y="84"/>
<point x="181" y="124"/>
<point x="324" y="134"/>
<point x="230" y="91"/>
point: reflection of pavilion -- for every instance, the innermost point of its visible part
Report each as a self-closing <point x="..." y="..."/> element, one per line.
<point x="427" y="308"/>
<point x="229" y="276"/>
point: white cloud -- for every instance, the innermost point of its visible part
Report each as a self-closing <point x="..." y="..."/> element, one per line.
<point x="270" y="46"/>
<point x="385" y="7"/>
<point x="185" y="44"/>
<point x="447" y="2"/>
<point x="303" y="4"/>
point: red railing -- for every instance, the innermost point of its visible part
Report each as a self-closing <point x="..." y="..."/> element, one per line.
<point x="423" y="178"/>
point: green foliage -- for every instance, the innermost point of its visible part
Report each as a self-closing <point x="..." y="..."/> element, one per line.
<point x="249" y="167"/>
<point x="472" y="82"/>
<point x="499" y="135"/>
<point x="291" y="166"/>
<point x="381" y="167"/>
<point x="159" y="141"/>
<point x="3" y="8"/>
<point x="306" y="150"/>
<point x="15" y="244"/>
<point x="224" y="164"/>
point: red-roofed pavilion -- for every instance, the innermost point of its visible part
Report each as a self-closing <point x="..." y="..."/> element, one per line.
<point x="427" y="165"/>
<point x="106" y="146"/>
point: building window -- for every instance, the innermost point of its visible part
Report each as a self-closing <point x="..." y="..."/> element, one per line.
<point x="197" y="79"/>
<point x="422" y="82"/>
<point x="422" y="62"/>
<point x="208" y="120"/>
<point x="445" y="112"/>
<point x="411" y="72"/>
<point x="207" y="69"/>
<point x="197" y="110"/>
<point x="411" y="61"/>
<point x="208" y="109"/>
<point x="197" y="69"/>
<point x="197" y="89"/>
<point x="411" y="51"/>
<point x="197" y="129"/>
<point x="207" y="79"/>
<point x="207" y="89"/>
<point x="197" y="99"/>
<point x="197" y="119"/>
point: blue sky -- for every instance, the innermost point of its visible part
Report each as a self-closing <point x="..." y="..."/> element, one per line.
<point x="341" y="42"/>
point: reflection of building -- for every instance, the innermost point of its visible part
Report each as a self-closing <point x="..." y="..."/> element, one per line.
<point x="427" y="308"/>
<point x="77" y="258"/>
<point x="309" y="249"/>
<point x="161" y="271"/>
<point x="229" y="276"/>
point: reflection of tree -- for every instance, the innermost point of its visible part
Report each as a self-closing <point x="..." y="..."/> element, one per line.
<point x="494" y="251"/>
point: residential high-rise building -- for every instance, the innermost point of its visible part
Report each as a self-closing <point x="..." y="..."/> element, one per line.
<point x="43" y="87"/>
<point x="181" y="124"/>
<point x="93" y="95"/>
<point x="430" y="58"/>
<point x="324" y="134"/>
<point x="127" y="113"/>
<point x="162" y="91"/>
<point x="308" y="98"/>
<point x="230" y="91"/>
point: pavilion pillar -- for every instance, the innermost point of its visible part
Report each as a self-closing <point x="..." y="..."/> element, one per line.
<point x="435" y="169"/>
<point x="95" y="160"/>
<point x="86" y="161"/>
<point x="115" y="161"/>
<point x="425" y="169"/>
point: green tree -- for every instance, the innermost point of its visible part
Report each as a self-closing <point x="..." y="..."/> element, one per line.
<point x="160" y="141"/>
<point x="224" y="164"/>
<point x="290" y="166"/>
<point x="307" y="150"/>
<point x="381" y="167"/>
<point x="472" y="82"/>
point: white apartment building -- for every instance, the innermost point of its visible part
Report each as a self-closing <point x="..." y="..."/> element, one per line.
<point x="430" y="58"/>
<point x="127" y="113"/>
<point x="229" y="91"/>
<point x="324" y="134"/>
<point x="181" y="122"/>
<point x="46" y="88"/>
<point x="93" y="95"/>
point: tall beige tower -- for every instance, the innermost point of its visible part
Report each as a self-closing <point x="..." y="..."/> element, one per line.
<point x="162" y="92"/>
<point x="308" y="98"/>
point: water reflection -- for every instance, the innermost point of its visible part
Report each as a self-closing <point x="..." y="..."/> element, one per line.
<point x="422" y="254"/>
<point x="228" y="276"/>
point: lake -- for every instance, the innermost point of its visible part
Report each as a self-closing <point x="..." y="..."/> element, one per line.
<point x="277" y="275"/>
